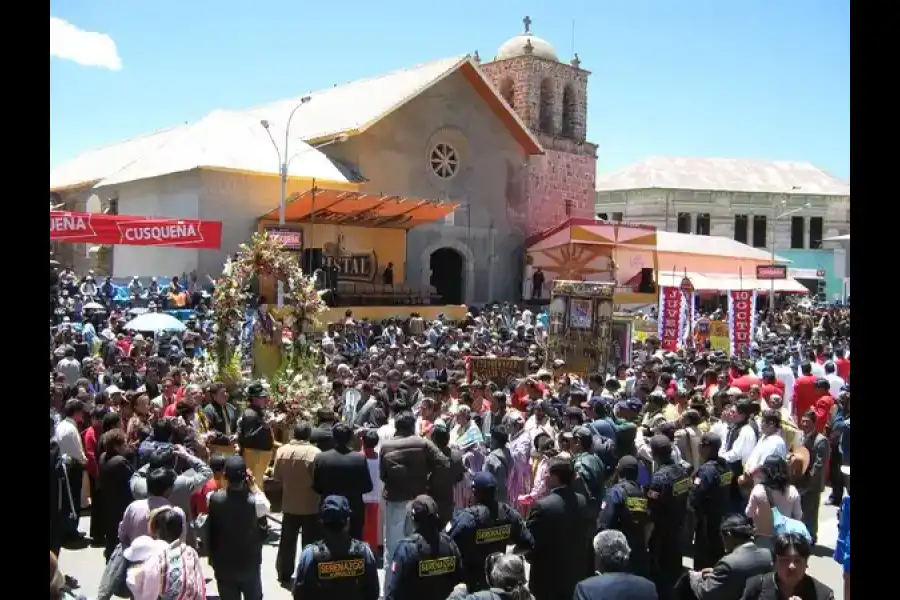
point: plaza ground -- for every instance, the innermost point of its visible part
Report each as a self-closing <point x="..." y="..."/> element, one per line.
<point x="86" y="564"/>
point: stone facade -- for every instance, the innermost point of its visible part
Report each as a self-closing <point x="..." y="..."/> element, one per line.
<point x="660" y="208"/>
<point x="551" y="99"/>
<point x="77" y="255"/>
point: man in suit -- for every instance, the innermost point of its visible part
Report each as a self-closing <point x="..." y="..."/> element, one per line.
<point x="812" y="483"/>
<point x="743" y="560"/>
<point x="342" y="472"/>
<point x="562" y="527"/>
<point x="613" y="581"/>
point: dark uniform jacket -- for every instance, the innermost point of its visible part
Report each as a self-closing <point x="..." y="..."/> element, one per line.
<point x="253" y="431"/>
<point x="217" y="416"/>
<point x="424" y="569"/>
<point x="235" y="543"/>
<point x="563" y="530"/>
<point x="337" y="569"/>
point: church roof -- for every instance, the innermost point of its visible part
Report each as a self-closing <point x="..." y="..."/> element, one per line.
<point x="347" y="109"/>
<point x="725" y="174"/>
<point x="231" y="141"/>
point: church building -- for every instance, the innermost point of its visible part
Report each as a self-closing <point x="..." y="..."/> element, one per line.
<point x="504" y="140"/>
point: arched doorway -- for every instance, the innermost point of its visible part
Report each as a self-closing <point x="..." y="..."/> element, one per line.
<point x="447" y="275"/>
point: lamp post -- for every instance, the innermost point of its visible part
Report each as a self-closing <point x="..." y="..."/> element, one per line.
<point x="778" y="217"/>
<point x="284" y="161"/>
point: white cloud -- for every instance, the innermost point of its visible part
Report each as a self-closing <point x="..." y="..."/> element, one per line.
<point x="87" y="48"/>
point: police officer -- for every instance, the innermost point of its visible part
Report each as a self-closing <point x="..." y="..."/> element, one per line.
<point x="625" y="509"/>
<point x="484" y="528"/>
<point x="337" y="566"/>
<point x="709" y="499"/>
<point x="666" y="507"/>
<point x="426" y="565"/>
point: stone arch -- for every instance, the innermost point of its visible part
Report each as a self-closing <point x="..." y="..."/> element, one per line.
<point x="508" y="92"/>
<point x="546" y="106"/>
<point x="468" y="257"/>
<point x="569" y="112"/>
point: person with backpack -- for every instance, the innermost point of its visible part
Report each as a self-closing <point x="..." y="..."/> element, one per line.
<point x="774" y="505"/>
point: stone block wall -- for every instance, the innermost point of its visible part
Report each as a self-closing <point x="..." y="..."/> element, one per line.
<point x="560" y="185"/>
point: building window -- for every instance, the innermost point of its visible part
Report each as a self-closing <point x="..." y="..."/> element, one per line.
<point x="797" y="232"/>
<point x="684" y="222"/>
<point x="703" y="224"/>
<point x="759" y="231"/>
<point x="816" y="225"/>
<point x="508" y="91"/>
<point x="617" y="217"/>
<point x="569" y="105"/>
<point x="547" y="106"/>
<point x="444" y="161"/>
<point x="740" y="228"/>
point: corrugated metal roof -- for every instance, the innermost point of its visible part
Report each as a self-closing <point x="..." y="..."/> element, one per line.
<point x="354" y="105"/>
<point x="94" y="165"/>
<point x="725" y="174"/>
<point x="229" y="141"/>
<point x="668" y="241"/>
<point x="348" y="108"/>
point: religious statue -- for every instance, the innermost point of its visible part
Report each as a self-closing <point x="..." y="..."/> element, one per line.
<point x="266" y="341"/>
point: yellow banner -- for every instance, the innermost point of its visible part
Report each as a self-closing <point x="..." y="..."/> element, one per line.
<point x="718" y="336"/>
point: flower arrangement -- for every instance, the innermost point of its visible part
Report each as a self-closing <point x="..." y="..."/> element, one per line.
<point x="264" y="255"/>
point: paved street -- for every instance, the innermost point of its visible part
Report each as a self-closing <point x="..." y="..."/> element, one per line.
<point x="86" y="565"/>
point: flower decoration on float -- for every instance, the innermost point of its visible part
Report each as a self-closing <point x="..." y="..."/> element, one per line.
<point x="264" y="255"/>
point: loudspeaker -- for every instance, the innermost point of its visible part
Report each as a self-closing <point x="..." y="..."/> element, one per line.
<point x="312" y="259"/>
<point x="646" y="286"/>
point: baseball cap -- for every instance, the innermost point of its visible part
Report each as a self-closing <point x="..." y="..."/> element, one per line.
<point x="483" y="481"/>
<point x="423" y="506"/>
<point x="235" y="468"/>
<point x="335" y="509"/>
<point x="660" y="444"/>
<point x="143" y="548"/>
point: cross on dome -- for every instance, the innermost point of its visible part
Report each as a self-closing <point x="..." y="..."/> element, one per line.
<point x="527" y="22"/>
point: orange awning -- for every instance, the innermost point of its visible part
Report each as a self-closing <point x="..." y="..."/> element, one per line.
<point x="361" y="209"/>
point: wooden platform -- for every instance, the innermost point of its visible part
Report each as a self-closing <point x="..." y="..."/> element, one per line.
<point x="429" y="312"/>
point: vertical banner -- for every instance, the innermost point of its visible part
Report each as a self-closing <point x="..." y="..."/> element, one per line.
<point x="671" y="318"/>
<point x="687" y="321"/>
<point x="741" y="320"/>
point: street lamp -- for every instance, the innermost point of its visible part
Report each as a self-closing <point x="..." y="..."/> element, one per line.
<point x="778" y="216"/>
<point x="284" y="161"/>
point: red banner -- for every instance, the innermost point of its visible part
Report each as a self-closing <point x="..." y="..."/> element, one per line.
<point x="741" y="316"/>
<point x="100" y="229"/>
<point x="670" y="318"/>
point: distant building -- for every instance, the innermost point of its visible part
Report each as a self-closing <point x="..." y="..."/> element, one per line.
<point x="740" y="199"/>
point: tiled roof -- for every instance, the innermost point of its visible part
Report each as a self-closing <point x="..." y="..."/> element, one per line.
<point x="725" y="174"/>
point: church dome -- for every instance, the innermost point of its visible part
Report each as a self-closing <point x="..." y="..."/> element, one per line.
<point x="524" y="45"/>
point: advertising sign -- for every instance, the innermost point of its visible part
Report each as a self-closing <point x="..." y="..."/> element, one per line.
<point x="771" y="271"/>
<point x="100" y="229"/>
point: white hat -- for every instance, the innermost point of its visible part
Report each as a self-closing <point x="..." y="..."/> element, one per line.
<point x="113" y="389"/>
<point x="143" y="549"/>
<point x="845" y="469"/>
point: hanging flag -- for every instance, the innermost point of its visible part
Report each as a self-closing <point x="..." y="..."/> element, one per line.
<point x="100" y="229"/>
<point x="671" y="318"/>
<point x="741" y="320"/>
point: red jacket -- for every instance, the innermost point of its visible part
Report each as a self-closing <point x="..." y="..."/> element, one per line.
<point x="89" y="440"/>
<point x="823" y="411"/>
<point x="805" y="395"/>
<point x="842" y="366"/>
<point x="745" y="382"/>
<point x="768" y="389"/>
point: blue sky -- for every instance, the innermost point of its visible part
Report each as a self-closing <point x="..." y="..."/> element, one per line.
<point x="765" y="79"/>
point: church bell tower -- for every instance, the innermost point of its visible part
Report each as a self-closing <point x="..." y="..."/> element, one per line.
<point x="551" y="99"/>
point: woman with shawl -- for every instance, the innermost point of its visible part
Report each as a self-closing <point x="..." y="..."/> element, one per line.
<point x="466" y="436"/>
<point x="520" y="445"/>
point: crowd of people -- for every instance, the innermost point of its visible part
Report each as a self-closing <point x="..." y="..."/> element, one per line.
<point x="598" y="484"/>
